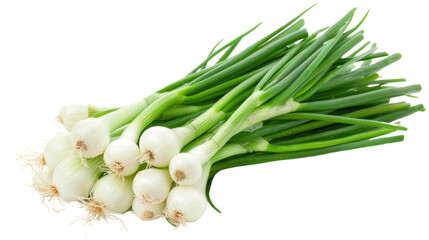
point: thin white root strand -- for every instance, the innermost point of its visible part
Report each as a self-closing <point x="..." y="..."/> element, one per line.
<point x="96" y="210"/>
<point x="79" y="148"/>
<point x="147" y="156"/>
<point x="59" y="119"/>
<point x="27" y="157"/>
<point x="108" y="170"/>
<point x="49" y="193"/>
<point x="146" y="199"/>
<point x="176" y="217"/>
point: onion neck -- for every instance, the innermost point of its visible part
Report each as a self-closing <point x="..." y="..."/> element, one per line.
<point x="202" y="182"/>
<point x="94" y="164"/>
<point x="198" y="126"/>
<point x="229" y="150"/>
<point x="122" y="116"/>
<point x="150" y="113"/>
<point x="266" y="112"/>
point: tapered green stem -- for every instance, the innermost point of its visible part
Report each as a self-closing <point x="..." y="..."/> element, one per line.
<point x="319" y="81"/>
<point x="341" y="119"/>
<point x="296" y="26"/>
<point x="334" y="93"/>
<point x="369" y="57"/>
<point x="319" y="144"/>
<point x="361" y="72"/>
<point x="177" y="111"/>
<point x="251" y="61"/>
<point x="256" y="158"/>
<point x="150" y="113"/>
<point x="216" y="113"/>
<point x="349" y="130"/>
<point x="244" y="137"/>
<point x="379" y="109"/>
<point x="232" y="44"/>
<point x="126" y="114"/>
<point x="358" y="99"/>
<point x="304" y="77"/>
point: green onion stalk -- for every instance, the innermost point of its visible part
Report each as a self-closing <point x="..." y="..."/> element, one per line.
<point x="70" y="114"/>
<point x="153" y="185"/>
<point x="299" y="125"/>
<point x="123" y="155"/>
<point x="154" y="141"/>
<point x="182" y="196"/>
<point x="289" y="95"/>
<point x="257" y="158"/>
<point x="274" y="94"/>
<point x="358" y="134"/>
<point x="159" y="144"/>
<point x="350" y="101"/>
<point x="90" y="136"/>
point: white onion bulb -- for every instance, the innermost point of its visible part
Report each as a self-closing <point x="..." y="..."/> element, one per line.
<point x="146" y="211"/>
<point x="185" y="169"/>
<point x="113" y="193"/>
<point x="152" y="185"/>
<point x="71" y="114"/>
<point x="74" y="180"/>
<point x="122" y="156"/>
<point x="158" y="145"/>
<point x="185" y="204"/>
<point x="90" y="137"/>
<point x="57" y="149"/>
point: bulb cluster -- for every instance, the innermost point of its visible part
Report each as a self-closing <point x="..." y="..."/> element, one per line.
<point x="289" y="95"/>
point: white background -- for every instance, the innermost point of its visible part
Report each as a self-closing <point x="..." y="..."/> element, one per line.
<point x="115" y="52"/>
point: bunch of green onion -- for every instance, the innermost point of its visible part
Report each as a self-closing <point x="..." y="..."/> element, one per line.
<point x="289" y="95"/>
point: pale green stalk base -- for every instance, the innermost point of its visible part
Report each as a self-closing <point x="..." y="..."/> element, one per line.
<point x="150" y="113"/>
<point x="229" y="150"/>
<point x="267" y="112"/>
<point x="123" y="115"/>
<point x="198" y="126"/>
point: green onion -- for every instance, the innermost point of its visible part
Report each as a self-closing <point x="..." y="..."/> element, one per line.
<point x="110" y="194"/>
<point x="289" y="95"/>
<point x="123" y="155"/>
<point x="251" y="159"/>
<point x="186" y="168"/>
<point x="73" y="181"/>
